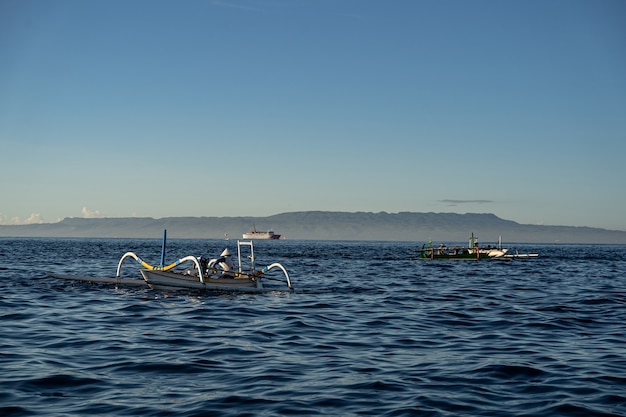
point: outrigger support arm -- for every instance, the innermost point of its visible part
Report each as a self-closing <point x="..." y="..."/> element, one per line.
<point x="195" y="262"/>
<point x="277" y="265"/>
<point x="158" y="268"/>
<point x="136" y="258"/>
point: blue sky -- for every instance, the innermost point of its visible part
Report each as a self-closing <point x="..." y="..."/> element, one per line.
<point x="257" y="107"/>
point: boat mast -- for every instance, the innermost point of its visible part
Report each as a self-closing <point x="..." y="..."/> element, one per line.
<point x="472" y="241"/>
<point x="163" y="248"/>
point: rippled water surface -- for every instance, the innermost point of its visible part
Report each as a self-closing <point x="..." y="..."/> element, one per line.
<point x="367" y="332"/>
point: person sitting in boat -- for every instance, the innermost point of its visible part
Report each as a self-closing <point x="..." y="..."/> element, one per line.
<point x="225" y="262"/>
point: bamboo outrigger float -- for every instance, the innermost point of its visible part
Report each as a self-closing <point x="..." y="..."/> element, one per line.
<point x="219" y="274"/>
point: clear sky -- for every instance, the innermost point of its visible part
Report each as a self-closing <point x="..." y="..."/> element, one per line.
<point x="257" y="107"/>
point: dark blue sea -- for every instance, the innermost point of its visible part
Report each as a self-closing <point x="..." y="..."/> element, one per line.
<point x="367" y="332"/>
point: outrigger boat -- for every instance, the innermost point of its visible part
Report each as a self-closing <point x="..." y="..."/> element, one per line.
<point x="471" y="252"/>
<point x="217" y="274"/>
<point x="206" y="275"/>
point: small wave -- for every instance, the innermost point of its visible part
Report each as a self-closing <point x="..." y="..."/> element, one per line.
<point x="510" y="372"/>
<point x="15" y="411"/>
<point x="573" y="409"/>
<point x="61" y="385"/>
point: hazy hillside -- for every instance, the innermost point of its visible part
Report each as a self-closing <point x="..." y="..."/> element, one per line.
<point x="324" y="225"/>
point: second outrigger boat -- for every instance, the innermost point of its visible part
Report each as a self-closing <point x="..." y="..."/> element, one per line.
<point x="471" y="252"/>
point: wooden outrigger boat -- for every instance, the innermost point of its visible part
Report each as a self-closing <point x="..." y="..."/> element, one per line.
<point x="208" y="275"/>
<point x="471" y="252"/>
<point x="219" y="274"/>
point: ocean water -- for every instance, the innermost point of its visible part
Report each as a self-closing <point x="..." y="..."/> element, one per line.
<point x="367" y="332"/>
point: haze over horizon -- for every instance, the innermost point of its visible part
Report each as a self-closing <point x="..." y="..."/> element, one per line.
<point x="335" y="220"/>
<point x="254" y="108"/>
<point x="322" y="225"/>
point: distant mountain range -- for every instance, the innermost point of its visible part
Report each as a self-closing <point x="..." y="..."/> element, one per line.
<point x="325" y="225"/>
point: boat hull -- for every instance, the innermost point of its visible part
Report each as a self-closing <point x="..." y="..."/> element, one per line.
<point x="461" y="254"/>
<point x="261" y="236"/>
<point x="172" y="280"/>
<point x="461" y="257"/>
